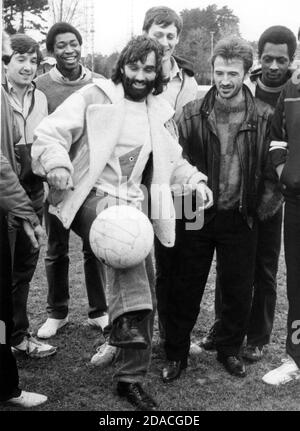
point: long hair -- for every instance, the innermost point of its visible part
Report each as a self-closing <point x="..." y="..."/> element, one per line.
<point x="137" y="49"/>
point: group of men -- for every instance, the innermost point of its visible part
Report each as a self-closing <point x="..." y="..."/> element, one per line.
<point x="146" y="128"/>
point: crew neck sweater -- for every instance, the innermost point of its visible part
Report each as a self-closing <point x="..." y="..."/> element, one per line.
<point x="57" y="88"/>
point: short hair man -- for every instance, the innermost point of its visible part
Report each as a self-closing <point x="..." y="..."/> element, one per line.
<point x="69" y="75"/>
<point x="276" y="50"/>
<point x="141" y="121"/>
<point x="285" y="155"/>
<point x="165" y="25"/>
<point x="30" y="107"/>
<point x="13" y="200"/>
<point x="224" y="135"/>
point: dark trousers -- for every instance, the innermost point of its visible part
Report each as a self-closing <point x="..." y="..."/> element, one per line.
<point x="292" y="258"/>
<point x="25" y="259"/>
<point x="235" y="245"/>
<point x="9" y="378"/>
<point x="132" y="364"/>
<point x="57" y="271"/>
<point x="265" y="284"/>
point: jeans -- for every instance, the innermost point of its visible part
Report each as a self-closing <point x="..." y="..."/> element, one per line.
<point x="292" y="258"/>
<point x="129" y="288"/>
<point x="9" y="378"/>
<point x="235" y="244"/>
<point x="133" y="364"/>
<point x="57" y="271"/>
<point x="25" y="259"/>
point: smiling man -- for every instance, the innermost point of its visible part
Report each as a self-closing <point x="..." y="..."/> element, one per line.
<point x="224" y="135"/>
<point x="30" y="107"/>
<point x="64" y="43"/>
<point x="130" y="126"/>
<point x="276" y="50"/>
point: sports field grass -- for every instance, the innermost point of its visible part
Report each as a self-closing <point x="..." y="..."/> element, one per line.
<point x="72" y="383"/>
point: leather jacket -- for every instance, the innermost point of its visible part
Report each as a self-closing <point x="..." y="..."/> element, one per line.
<point x="201" y="145"/>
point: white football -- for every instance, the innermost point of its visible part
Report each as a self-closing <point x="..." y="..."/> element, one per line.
<point x="121" y="236"/>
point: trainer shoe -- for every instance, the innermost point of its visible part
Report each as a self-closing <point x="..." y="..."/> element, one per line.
<point x="27" y="399"/>
<point x="51" y="326"/>
<point x="252" y="353"/>
<point x="33" y="348"/>
<point x="285" y="373"/>
<point x="104" y="356"/>
<point x="99" y="322"/>
<point x="195" y="350"/>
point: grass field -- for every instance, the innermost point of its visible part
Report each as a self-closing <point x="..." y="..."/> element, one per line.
<point x="72" y="383"/>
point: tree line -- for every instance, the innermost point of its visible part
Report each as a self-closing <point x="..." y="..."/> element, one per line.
<point x="202" y="29"/>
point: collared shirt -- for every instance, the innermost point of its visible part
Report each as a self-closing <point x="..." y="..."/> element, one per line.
<point x="174" y="85"/>
<point x="15" y="101"/>
<point x="59" y="75"/>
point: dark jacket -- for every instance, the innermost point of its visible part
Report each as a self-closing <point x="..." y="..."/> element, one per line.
<point x="198" y="137"/>
<point x="13" y="197"/>
<point x="286" y="129"/>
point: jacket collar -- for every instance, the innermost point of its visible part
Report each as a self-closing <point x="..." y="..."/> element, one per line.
<point x="158" y="107"/>
<point x="250" y="120"/>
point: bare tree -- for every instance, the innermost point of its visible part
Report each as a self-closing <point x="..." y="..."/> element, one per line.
<point x="65" y="10"/>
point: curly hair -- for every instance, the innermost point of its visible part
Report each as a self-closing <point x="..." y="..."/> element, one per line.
<point x="278" y="35"/>
<point x="60" y="28"/>
<point x="137" y="49"/>
<point x="164" y="16"/>
<point x="21" y="43"/>
<point x="234" y="47"/>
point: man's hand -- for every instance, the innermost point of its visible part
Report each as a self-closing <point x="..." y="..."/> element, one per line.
<point x="60" y="179"/>
<point x="36" y="235"/>
<point x="206" y="195"/>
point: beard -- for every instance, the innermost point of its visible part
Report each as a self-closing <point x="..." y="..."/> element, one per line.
<point x="136" y="94"/>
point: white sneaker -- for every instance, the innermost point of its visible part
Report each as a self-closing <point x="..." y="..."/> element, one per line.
<point x="27" y="399"/>
<point x="51" y="326"/>
<point x="285" y="373"/>
<point x="34" y="348"/>
<point x="104" y="356"/>
<point x="195" y="350"/>
<point x="99" y="322"/>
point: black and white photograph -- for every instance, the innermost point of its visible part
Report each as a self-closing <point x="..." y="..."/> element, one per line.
<point x="150" y="209"/>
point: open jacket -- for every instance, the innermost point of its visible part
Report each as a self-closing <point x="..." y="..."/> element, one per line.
<point x="189" y="87"/>
<point x="13" y="198"/>
<point x="200" y="142"/>
<point x="285" y="136"/>
<point x="81" y="135"/>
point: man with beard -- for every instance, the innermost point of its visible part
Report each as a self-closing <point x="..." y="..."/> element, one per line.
<point x="64" y="43"/>
<point x="276" y="50"/>
<point x="132" y="127"/>
<point x="224" y="135"/>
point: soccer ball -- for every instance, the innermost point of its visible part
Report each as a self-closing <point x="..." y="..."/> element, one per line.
<point x="121" y="236"/>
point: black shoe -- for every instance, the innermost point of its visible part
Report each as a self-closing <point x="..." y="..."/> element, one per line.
<point x="125" y="332"/>
<point x="252" y="353"/>
<point x="233" y="364"/>
<point x="135" y="395"/>
<point x="208" y="342"/>
<point x="172" y="370"/>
